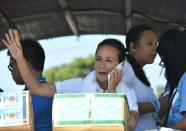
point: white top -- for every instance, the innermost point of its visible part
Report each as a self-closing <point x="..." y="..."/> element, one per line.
<point x="90" y="85"/>
<point x="144" y="94"/>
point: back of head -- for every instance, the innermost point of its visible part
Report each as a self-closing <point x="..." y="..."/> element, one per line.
<point x="172" y="50"/>
<point x="115" y="44"/>
<point x="33" y="53"/>
<point x="135" y="33"/>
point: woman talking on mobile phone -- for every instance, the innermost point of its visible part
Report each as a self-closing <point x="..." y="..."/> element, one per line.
<point x="109" y="54"/>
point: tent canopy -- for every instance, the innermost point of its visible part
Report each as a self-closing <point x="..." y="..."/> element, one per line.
<point x="42" y="19"/>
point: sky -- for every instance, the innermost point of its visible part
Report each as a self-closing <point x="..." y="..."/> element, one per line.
<point x="63" y="50"/>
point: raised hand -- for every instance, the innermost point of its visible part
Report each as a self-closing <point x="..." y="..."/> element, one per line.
<point x="13" y="44"/>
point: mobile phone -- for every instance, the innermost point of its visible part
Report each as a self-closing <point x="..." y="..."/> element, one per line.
<point x="119" y="67"/>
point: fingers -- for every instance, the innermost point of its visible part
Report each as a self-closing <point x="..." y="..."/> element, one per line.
<point x="11" y="37"/>
<point x="16" y="36"/>
<point x="8" y="38"/>
<point x="117" y="74"/>
<point x="6" y="43"/>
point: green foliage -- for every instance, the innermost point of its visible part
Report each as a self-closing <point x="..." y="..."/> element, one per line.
<point x="80" y="67"/>
<point x="159" y="91"/>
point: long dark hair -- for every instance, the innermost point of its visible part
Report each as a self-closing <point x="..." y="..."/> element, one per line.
<point x="172" y="50"/>
<point x="133" y="36"/>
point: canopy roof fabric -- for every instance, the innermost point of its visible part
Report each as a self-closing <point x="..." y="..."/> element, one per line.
<point x="41" y="19"/>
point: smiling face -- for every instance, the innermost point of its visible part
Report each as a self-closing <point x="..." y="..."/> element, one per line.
<point x="145" y="50"/>
<point x="106" y="59"/>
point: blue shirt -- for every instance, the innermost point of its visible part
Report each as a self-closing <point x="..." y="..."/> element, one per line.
<point x="42" y="110"/>
<point x="178" y="103"/>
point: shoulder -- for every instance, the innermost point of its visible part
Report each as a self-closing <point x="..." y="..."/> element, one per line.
<point x="127" y="65"/>
<point x="182" y="81"/>
<point x="128" y="73"/>
<point x="183" y="77"/>
<point x="128" y="70"/>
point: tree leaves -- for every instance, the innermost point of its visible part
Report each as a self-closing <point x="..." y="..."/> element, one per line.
<point x="80" y="67"/>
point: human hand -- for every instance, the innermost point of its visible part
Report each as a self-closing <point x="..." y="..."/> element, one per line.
<point x="13" y="44"/>
<point x="116" y="76"/>
<point x="164" y="105"/>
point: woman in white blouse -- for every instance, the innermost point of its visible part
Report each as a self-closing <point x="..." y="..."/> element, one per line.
<point x="108" y="55"/>
<point x="141" y="44"/>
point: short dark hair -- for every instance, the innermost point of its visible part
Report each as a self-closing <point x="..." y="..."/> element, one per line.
<point x="33" y="53"/>
<point x="135" y="33"/>
<point x="172" y="50"/>
<point x="115" y="44"/>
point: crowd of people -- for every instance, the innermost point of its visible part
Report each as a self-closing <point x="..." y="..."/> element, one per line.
<point x="142" y="45"/>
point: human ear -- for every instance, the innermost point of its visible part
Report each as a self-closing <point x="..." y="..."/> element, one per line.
<point x="132" y="46"/>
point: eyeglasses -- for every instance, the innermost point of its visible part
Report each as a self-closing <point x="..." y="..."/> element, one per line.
<point x="10" y="66"/>
<point x="162" y="64"/>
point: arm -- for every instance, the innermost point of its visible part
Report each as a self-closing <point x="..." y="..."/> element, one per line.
<point x="154" y="106"/>
<point x="181" y="125"/>
<point x="13" y="44"/>
<point x="181" y="101"/>
<point x="145" y="107"/>
<point x="132" y="104"/>
<point x="165" y="104"/>
<point x="115" y="80"/>
<point x="44" y="89"/>
<point x="150" y="105"/>
<point x="130" y="79"/>
<point x="133" y="107"/>
<point x="133" y="119"/>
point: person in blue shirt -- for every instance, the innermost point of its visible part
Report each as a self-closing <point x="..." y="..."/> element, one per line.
<point x="172" y="51"/>
<point x="42" y="106"/>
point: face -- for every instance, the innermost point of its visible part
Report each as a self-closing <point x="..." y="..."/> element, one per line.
<point x="145" y="51"/>
<point x="106" y="59"/>
<point x="15" y="71"/>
